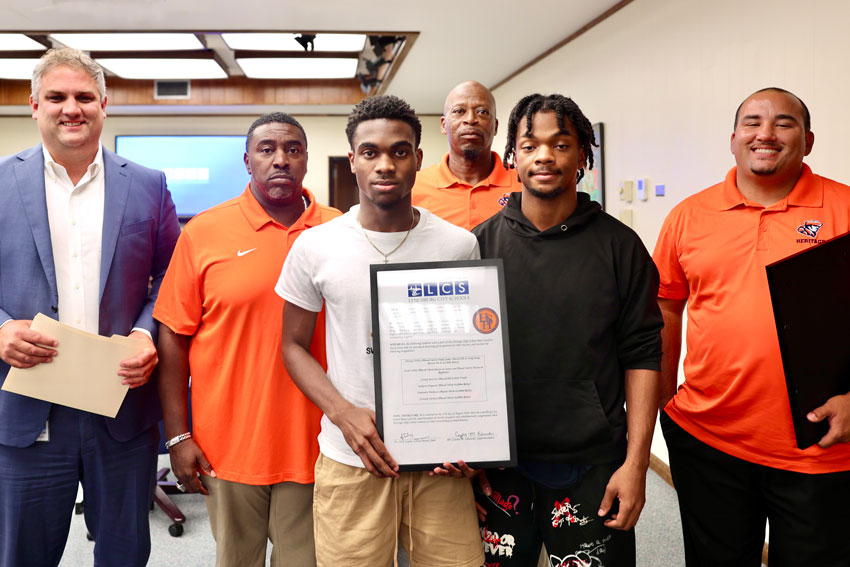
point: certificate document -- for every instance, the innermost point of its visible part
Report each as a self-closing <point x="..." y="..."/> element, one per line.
<point x="442" y="365"/>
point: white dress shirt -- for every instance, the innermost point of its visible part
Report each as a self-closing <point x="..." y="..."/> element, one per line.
<point x="75" y="216"/>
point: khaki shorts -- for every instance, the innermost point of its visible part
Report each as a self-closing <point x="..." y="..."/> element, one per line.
<point x="359" y="518"/>
<point x="243" y="518"/>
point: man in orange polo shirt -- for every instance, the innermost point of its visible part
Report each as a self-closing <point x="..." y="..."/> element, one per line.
<point x="470" y="184"/>
<point x="254" y="435"/>
<point x="733" y="454"/>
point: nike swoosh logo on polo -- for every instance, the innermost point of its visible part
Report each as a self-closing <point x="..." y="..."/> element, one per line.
<point x="241" y="253"/>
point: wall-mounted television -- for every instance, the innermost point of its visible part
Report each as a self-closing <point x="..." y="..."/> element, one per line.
<point x="202" y="171"/>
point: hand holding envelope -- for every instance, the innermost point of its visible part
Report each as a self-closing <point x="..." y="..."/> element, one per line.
<point x="84" y="372"/>
<point x="21" y="347"/>
<point x="135" y="371"/>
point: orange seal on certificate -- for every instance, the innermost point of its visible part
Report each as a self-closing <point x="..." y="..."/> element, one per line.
<point x="485" y="320"/>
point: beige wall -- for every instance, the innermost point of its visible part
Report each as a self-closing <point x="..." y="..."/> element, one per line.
<point x="665" y="78"/>
<point x="325" y="137"/>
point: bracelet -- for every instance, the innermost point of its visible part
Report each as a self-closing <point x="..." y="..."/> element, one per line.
<point x="175" y="440"/>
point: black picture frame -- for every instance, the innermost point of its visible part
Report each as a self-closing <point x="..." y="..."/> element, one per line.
<point x="380" y="381"/>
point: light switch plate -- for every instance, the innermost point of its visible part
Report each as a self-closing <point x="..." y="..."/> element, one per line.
<point x="627" y="190"/>
<point x="643" y="188"/>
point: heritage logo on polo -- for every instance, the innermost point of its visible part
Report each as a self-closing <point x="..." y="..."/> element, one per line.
<point x="432" y="289"/>
<point x="810" y="228"/>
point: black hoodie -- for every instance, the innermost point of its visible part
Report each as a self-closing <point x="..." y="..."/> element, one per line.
<point x="582" y="309"/>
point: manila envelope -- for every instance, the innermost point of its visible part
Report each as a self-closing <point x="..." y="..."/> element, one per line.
<point x="84" y="373"/>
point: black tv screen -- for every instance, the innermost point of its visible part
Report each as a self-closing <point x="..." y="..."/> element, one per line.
<point x="202" y="171"/>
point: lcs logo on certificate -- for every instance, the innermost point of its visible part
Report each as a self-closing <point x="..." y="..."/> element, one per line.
<point x="485" y="320"/>
<point x="436" y="289"/>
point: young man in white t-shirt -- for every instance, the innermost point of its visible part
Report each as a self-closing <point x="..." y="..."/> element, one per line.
<point x="362" y="504"/>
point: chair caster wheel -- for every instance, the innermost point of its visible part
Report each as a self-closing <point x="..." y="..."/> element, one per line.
<point x="176" y="530"/>
<point x="89" y="536"/>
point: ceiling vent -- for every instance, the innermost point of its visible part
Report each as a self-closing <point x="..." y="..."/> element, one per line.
<point x="172" y="89"/>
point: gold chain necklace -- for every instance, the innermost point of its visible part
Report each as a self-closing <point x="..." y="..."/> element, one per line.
<point x="387" y="255"/>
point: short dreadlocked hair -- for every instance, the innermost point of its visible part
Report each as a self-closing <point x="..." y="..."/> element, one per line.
<point x="565" y="109"/>
<point x="387" y="107"/>
<point x="274" y="118"/>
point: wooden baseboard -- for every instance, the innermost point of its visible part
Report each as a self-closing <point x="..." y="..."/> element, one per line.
<point x="662" y="469"/>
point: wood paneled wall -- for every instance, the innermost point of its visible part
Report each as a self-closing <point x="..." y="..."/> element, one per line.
<point x="233" y="91"/>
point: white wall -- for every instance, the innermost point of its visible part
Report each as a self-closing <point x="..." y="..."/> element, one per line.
<point x="325" y="137"/>
<point x="665" y="78"/>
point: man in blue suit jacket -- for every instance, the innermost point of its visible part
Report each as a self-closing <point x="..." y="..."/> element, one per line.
<point x="85" y="237"/>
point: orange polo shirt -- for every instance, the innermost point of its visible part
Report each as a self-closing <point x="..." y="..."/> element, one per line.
<point x="441" y="192"/>
<point x="712" y="250"/>
<point x="253" y="424"/>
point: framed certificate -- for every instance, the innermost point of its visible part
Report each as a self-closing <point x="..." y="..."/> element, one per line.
<point x="442" y="365"/>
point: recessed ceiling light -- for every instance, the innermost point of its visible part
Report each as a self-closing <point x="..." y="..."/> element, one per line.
<point x="129" y="41"/>
<point x="164" y="68"/>
<point x="20" y="69"/>
<point x="286" y="41"/>
<point x="18" y="42"/>
<point x="298" y="68"/>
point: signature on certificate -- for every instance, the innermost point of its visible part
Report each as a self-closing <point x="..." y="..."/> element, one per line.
<point x="471" y="435"/>
<point x="406" y="437"/>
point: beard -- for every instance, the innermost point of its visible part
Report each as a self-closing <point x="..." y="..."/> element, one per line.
<point x="549" y="195"/>
<point x="763" y="170"/>
<point x="471" y="154"/>
<point x="279" y="196"/>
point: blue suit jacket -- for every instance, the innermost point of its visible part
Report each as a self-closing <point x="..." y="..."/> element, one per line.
<point x="139" y="232"/>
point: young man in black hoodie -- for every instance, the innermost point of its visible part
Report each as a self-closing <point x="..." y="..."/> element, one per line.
<point x="585" y="339"/>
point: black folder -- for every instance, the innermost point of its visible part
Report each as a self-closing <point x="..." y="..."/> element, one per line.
<point x="810" y="292"/>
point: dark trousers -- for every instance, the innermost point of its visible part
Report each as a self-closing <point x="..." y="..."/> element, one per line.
<point x="724" y="502"/>
<point x="523" y="514"/>
<point x="38" y="487"/>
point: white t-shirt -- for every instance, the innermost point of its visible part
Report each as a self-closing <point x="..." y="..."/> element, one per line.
<point x="330" y="262"/>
